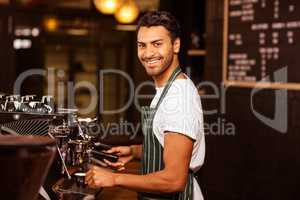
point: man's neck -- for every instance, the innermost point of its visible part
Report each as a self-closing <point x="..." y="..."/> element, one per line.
<point x="163" y="78"/>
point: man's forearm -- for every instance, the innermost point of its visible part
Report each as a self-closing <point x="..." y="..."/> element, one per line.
<point x="136" y="151"/>
<point x="155" y="182"/>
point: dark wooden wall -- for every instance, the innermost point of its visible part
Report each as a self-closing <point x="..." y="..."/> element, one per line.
<point x="257" y="162"/>
<point x="7" y="75"/>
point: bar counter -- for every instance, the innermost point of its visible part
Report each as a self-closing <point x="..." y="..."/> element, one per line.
<point x="115" y="193"/>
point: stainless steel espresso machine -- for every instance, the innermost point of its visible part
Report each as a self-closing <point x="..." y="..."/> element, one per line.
<point x="76" y="142"/>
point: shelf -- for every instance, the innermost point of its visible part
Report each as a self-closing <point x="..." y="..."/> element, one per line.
<point x="196" y="52"/>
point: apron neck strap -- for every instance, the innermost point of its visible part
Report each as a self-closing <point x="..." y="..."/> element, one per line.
<point x="172" y="78"/>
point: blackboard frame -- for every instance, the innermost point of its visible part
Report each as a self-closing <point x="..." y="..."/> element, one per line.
<point x="245" y="84"/>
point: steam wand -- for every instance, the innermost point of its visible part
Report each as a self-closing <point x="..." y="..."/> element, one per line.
<point x="62" y="160"/>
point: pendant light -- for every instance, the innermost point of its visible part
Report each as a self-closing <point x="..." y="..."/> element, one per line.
<point x="51" y="23"/>
<point x="107" y="6"/>
<point x="128" y="12"/>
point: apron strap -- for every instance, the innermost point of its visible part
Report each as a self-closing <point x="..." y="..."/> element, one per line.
<point x="175" y="73"/>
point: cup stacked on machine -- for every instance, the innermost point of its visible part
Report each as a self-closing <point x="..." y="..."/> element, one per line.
<point x="26" y="104"/>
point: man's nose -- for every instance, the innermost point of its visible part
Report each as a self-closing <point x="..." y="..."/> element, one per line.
<point x="149" y="52"/>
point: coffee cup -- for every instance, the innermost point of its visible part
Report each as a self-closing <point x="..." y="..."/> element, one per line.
<point x="80" y="179"/>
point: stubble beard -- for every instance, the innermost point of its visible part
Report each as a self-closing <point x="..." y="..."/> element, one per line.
<point x="159" y="70"/>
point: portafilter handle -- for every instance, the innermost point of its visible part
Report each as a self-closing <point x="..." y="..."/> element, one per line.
<point x="102" y="155"/>
<point x="100" y="146"/>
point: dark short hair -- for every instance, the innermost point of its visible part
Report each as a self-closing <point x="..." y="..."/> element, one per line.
<point x="161" y="18"/>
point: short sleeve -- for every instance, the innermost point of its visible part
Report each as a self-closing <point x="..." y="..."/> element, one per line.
<point x="181" y="112"/>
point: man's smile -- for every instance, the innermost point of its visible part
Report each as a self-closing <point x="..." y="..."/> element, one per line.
<point x="151" y="62"/>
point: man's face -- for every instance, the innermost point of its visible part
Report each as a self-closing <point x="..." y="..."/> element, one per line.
<point x="155" y="49"/>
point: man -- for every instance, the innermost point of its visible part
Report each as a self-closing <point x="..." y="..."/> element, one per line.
<point x="174" y="147"/>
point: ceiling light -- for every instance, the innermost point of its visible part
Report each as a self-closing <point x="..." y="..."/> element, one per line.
<point x="128" y="12"/>
<point x="78" y="32"/>
<point x="107" y="6"/>
<point x="51" y="24"/>
<point x="35" y="32"/>
<point x="22" y="44"/>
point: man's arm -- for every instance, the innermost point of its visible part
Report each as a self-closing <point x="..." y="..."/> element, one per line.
<point x="136" y="151"/>
<point x="177" y="155"/>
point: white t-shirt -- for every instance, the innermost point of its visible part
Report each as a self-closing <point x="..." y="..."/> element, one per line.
<point x="181" y="112"/>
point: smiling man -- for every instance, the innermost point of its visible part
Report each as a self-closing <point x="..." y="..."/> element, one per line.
<point x="174" y="146"/>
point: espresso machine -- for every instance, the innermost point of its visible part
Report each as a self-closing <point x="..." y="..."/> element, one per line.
<point x="77" y="145"/>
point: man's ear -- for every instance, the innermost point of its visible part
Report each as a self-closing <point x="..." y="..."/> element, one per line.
<point x="176" y="45"/>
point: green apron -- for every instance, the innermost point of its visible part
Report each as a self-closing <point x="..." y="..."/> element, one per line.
<point x="152" y="158"/>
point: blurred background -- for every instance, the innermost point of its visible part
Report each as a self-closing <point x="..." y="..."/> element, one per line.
<point x="70" y="41"/>
<point x="74" y="39"/>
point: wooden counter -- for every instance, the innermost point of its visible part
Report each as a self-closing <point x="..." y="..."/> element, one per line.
<point x="71" y="192"/>
<point x="117" y="193"/>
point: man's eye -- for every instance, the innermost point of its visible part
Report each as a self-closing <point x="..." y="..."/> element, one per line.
<point x="141" y="45"/>
<point x="157" y="44"/>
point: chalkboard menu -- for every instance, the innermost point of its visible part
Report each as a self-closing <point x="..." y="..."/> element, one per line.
<point x="262" y="43"/>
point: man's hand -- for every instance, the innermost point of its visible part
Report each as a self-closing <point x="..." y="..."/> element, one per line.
<point x="125" y="154"/>
<point x="177" y="156"/>
<point x="98" y="177"/>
